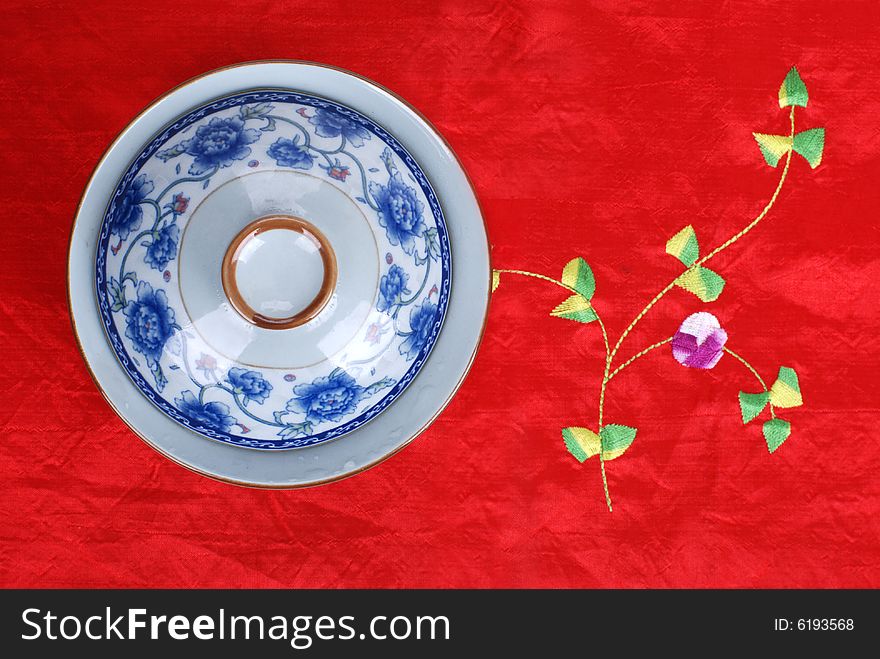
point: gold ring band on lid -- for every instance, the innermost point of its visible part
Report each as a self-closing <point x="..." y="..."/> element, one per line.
<point x="272" y="313"/>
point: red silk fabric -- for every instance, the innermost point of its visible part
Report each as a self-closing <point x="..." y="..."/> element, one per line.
<point x="594" y="129"/>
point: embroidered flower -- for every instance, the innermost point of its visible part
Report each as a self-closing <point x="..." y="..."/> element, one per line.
<point x="149" y="322"/>
<point x="329" y="123"/>
<point x="391" y="287"/>
<point x="219" y="143"/>
<point x="179" y="204"/>
<point x="421" y="320"/>
<point x="210" y="415"/>
<point x="163" y="248"/>
<point x="699" y="341"/>
<point x="337" y="170"/>
<point x="400" y="212"/>
<point x="327" y="399"/>
<point x="129" y="214"/>
<point x="290" y="153"/>
<point x="249" y="384"/>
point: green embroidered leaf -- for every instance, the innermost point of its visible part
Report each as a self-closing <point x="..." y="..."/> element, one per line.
<point x="810" y="144"/>
<point x="786" y="391"/>
<point x="684" y="246"/>
<point x="577" y="275"/>
<point x="773" y="147"/>
<point x="793" y="90"/>
<point x="776" y="431"/>
<point x="496" y="280"/>
<point x="751" y="405"/>
<point x="615" y="440"/>
<point x="581" y="442"/>
<point x="575" y="308"/>
<point x="702" y="282"/>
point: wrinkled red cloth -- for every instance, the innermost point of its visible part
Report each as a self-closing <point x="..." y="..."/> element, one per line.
<point x="594" y="129"/>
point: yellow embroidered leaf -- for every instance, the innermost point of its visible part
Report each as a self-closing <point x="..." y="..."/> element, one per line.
<point x="786" y="391"/>
<point x="581" y="442"/>
<point x="702" y="282"/>
<point x="684" y="246"/>
<point x="578" y="275"/>
<point x="773" y="147"/>
<point x="496" y="280"/>
<point x="575" y="308"/>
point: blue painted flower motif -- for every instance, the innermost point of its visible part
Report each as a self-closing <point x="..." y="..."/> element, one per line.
<point x="329" y="123"/>
<point x="327" y="399"/>
<point x="290" y="153"/>
<point x="400" y="212"/>
<point x="163" y="248"/>
<point x="421" y="320"/>
<point x="219" y="143"/>
<point x="249" y="384"/>
<point x="391" y="287"/>
<point x="149" y="322"/>
<point x="210" y="415"/>
<point x="129" y="214"/>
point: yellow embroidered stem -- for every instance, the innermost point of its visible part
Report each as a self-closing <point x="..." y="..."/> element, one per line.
<point x="601" y="396"/>
<point x="764" y="212"/>
<point x="718" y="249"/>
<point x="752" y="370"/>
<point x="639" y="354"/>
<point x="526" y="273"/>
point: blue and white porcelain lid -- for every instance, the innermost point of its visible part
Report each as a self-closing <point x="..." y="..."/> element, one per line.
<point x="273" y="269"/>
<point x="293" y="223"/>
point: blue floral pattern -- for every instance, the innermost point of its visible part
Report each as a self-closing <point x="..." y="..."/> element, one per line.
<point x="129" y="215"/>
<point x="217" y="144"/>
<point x="212" y="415"/>
<point x="149" y="324"/>
<point x="249" y="384"/>
<point x="206" y="388"/>
<point x="392" y="287"/>
<point x="400" y="212"/>
<point x="421" y="320"/>
<point x="163" y="249"/>
<point x="327" y="399"/>
<point x="290" y="153"/>
<point x="329" y="123"/>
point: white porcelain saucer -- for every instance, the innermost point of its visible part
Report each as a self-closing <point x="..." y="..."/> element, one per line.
<point x="265" y="257"/>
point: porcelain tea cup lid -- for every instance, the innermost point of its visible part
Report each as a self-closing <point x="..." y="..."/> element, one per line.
<point x="272" y="268"/>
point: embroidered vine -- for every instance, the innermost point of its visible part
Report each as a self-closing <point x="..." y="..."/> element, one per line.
<point x="700" y="341"/>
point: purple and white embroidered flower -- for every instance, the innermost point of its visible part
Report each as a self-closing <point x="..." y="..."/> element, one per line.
<point x="699" y="342"/>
